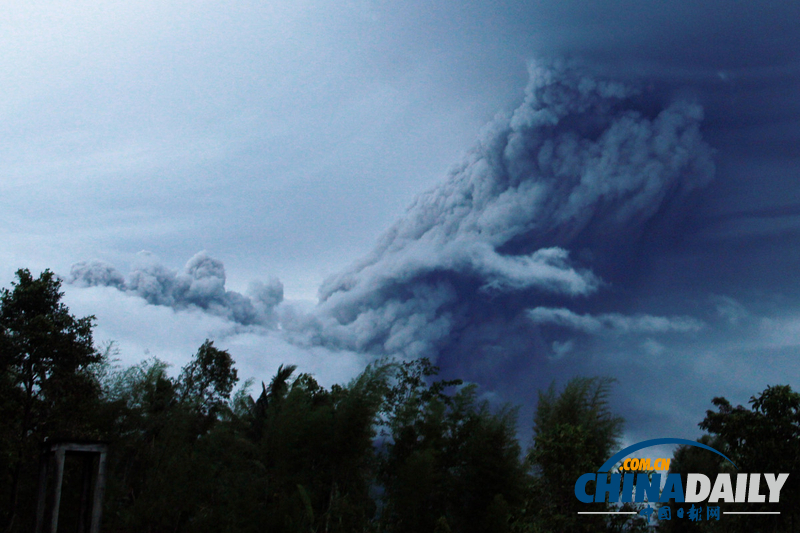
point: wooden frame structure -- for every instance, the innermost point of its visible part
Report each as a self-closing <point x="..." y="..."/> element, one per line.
<point x="54" y="455"/>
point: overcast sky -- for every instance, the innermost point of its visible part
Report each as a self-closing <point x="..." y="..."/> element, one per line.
<point x="522" y="191"/>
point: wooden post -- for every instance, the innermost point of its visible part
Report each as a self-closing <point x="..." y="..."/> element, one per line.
<point x="60" y="453"/>
<point x="99" y="490"/>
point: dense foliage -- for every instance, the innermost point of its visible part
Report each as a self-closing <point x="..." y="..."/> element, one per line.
<point x="574" y="433"/>
<point x="764" y="438"/>
<point x="47" y="387"/>
<point x="393" y="451"/>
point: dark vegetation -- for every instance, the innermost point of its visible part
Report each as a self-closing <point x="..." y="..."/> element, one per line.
<point x="764" y="438"/>
<point x="394" y="450"/>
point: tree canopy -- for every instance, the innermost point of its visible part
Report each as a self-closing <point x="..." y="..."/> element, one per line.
<point x="764" y="438"/>
<point x="396" y="450"/>
<point x="46" y="388"/>
<point x="574" y="432"/>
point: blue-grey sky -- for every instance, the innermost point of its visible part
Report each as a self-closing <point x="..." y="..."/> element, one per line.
<point x="524" y="191"/>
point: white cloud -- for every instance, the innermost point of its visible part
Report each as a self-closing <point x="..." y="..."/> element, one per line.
<point x="613" y="323"/>
<point x="730" y="310"/>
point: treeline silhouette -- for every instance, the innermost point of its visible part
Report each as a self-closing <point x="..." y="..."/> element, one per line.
<point x="394" y="450"/>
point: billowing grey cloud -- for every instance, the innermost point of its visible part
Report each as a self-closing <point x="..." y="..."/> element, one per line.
<point x="96" y="273"/>
<point x="200" y="284"/>
<point x="613" y="323"/>
<point x="540" y="207"/>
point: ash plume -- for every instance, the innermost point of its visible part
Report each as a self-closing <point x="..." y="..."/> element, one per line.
<point x="539" y="207"/>
<point x="200" y="284"/>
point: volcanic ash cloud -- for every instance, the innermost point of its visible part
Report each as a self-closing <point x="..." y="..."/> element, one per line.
<point x="200" y="284"/>
<point x="582" y="164"/>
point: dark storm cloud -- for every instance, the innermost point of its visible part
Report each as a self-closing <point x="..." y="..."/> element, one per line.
<point x="772" y="212"/>
<point x="541" y="207"/>
<point x="200" y="284"/>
